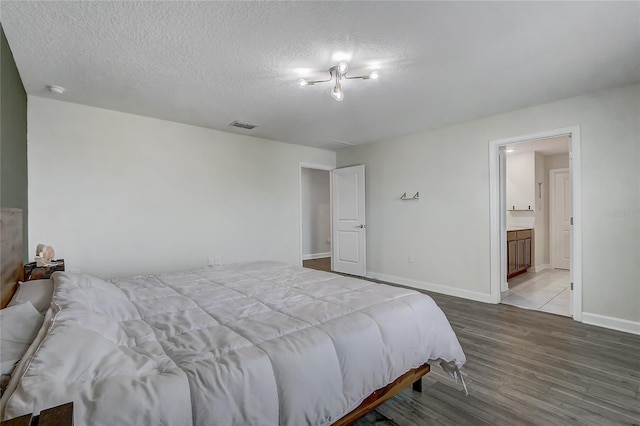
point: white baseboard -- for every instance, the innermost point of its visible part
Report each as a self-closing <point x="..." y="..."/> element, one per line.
<point x="612" y="323"/>
<point x="436" y="288"/>
<point x="315" y="256"/>
<point x="539" y="268"/>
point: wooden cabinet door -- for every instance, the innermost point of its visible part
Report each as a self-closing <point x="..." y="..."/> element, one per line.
<point x="511" y="257"/>
<point x="520" y="255"/>
<point x="527" y="253"/>
<point x="519" y="245"/>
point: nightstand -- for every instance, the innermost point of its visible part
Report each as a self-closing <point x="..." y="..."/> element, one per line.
<point x="33" y="272"/>
<point x="62" y="415"/>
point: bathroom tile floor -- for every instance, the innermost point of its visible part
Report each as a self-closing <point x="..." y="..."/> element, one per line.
<point x="547" y="291"/>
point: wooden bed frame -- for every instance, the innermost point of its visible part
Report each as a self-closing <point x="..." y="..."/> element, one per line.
<point x="10" y="253"/>
<point x="12" y="269"/>
<point x="379" y="397"/>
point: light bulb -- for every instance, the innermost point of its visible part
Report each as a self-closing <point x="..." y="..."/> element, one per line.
<point x="337" y="93"/>
<point x="302" y="82"/>
<point x="343" y="67"/>
<point x="374" y="75"/>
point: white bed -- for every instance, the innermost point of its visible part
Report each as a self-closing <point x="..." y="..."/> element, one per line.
<point x="259" y="343"/>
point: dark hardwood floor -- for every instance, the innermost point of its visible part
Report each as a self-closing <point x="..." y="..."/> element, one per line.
<point x="321" y="264"/>
<point x="524" y="367"/>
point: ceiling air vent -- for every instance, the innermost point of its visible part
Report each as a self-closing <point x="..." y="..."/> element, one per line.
<point x="336" y="145"/>
<point x="240" y="124"/>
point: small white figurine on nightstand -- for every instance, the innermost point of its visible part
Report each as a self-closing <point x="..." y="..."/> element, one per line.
<point x="44" y="255"/>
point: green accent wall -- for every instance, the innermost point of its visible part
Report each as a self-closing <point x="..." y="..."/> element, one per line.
<point x="13" y="138"/>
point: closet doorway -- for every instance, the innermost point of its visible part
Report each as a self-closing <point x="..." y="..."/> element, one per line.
<point x="315" y="217"/>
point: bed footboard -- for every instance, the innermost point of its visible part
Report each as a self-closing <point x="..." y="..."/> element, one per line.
<point x="413" y="376"/>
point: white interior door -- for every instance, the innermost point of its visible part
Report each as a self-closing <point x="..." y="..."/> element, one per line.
<point x="349" y="224"/>
<point x="560" y="215"/>
<point x="502" y="199"/>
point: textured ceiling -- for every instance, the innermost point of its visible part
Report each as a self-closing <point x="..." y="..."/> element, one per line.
<point x="210" y="63"/>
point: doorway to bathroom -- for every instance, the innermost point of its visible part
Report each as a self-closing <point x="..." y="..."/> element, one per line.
<point x="533" y="201"/>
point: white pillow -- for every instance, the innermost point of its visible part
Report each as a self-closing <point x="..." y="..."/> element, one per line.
<point x="38" y="292"/>
<point x="19" y="325"/>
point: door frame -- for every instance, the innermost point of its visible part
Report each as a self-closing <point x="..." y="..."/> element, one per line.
<point x="498" y="225"/>
<point x="552" y="205"/>
<point x="300" y="232"/>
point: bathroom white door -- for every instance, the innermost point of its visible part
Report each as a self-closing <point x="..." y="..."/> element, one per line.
<point x="560" y="218"/>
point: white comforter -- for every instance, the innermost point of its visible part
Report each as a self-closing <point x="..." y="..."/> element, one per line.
<point x="259" y="343"/>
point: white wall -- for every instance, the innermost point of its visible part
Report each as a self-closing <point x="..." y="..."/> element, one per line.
<point x="519" y="189"/>
<point x="520" y="181"/>
<point x="558" y="161"/>
<point x="316" y="213"/>
<point x="447" y="231"/>
<point x="119" y="194"/>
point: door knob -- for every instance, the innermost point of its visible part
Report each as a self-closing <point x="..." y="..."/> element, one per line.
<point x="361" y="226"/>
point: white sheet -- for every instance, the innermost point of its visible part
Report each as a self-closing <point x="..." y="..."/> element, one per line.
<point x="259" y="343"/>
<point x="19" y="325"/>
<point x="38" y="292"/>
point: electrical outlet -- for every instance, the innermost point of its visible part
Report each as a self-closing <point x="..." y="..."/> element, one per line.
<point x="212" y="260"/>
<point x="74" y="270"/>
<point x="410" y="259"/>
<point x="217" y="260"/>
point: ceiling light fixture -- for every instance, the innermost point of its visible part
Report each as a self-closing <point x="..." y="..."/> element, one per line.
<point x="337" y="73"/>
